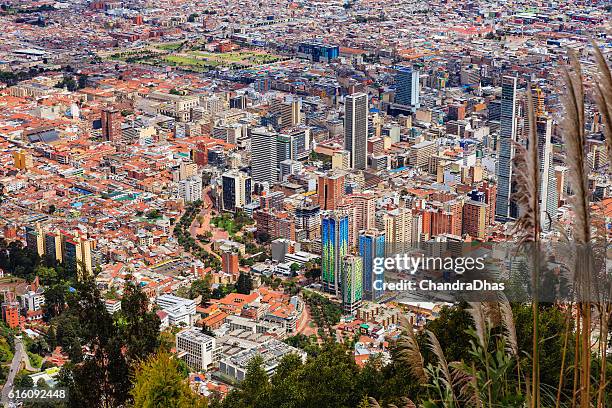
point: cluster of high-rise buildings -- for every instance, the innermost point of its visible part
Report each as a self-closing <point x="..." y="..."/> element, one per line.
<point x="135" y="137"/>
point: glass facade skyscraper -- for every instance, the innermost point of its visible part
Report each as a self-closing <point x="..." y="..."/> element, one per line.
<point x="504" y="208"/>
<point x="371" y="245"/>
<point x="352" y="283"/>
<point x="407" y="87"/>
<point x="334" y="241"/>
<point x="356" y="130"/>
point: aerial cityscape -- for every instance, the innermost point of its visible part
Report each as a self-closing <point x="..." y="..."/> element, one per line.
<point x="305" y="203"/>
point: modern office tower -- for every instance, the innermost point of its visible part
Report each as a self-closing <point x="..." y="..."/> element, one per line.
<point x="185" y="170"/>
<point x="505" y="208"/>
<point x="195" y="348"/>
<point x="475" y="218"/>
<point x="289" y="112"/>
<point x="365" y="209"/>
<point x="307" y="218"/>
<point x="489" y="190"/>
<point x="76" y="251"/>
<point x="284" y="148"/>
<point x="398" y="229"/>
<point x="494" y="111"/>
<point x="341" y="160"/>
<point x="238" y="102"/>
<point x="356" y="129"/>
<point x="347" y="209"/>
<point x="420" y="154"/>
<point x="407" y="87"/>
<point x="293" y="145"/>
<point x="330" y="190"/>
<point x="317" y="51"/>
<point x="352" y="283"/>
<point x="23" y="160"/>
<point x="34" y="237"/>
<point x="300" y="141"/>
<point x="549" y="199"/>
<point x="288" y="168"/>
<point x="111" y="124"/>
<point x="372" y="245"/>
<point x="53" y="247"/>
<point x="236" y="188"/>
<point x="334" y="242"/>
<point x="190" y="189"/>
<point x="230" y="262"/>
<point x="264" y="155"/>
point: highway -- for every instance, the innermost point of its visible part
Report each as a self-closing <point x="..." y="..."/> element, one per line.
<point x="15" y="367"/>
<point x="19" y="357"/>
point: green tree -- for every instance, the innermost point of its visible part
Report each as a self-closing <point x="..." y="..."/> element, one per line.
<point x="295" y="268"/>
<point x="255" y="390"/>
<point x="244" y="285"/>
<point x="138" y="327"/>
<point x="160" y="382"/>
<point x="24" y="380"/>
<point x="201" y="287"/>
<point x="82" y="81"/>
<point x="100" y="379"/>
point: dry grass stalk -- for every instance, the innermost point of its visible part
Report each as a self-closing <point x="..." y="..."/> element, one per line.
<point x="603" y="96"/>
<point x="447" y="379"/>
<point x="410" y="354"/>
<point x="574" y="136"/>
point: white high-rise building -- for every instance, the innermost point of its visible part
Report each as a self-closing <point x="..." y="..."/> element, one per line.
<point x="236" y="190"/>
<point x="190" y="189"/>
<point x="356" y="130"/>
<point x="264" y="155"/>
<point x="549" y="200"/>
<point x="195" y="348"/>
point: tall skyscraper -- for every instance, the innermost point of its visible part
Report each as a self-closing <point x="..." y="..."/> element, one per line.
<point x="504" y="207"/>
<point x="334" y="240"/>
<point x="352" y="283"/>
<point x="284" y="148"/>
<point x="289" y="111"/>
<point x="365" y="208"/>
<point x="398" y="229"/>
<point x="76" y="253"/>
<point x="236" y="190"/>
<point x="330" y="190"/>
<point x="549" y="199"/>
<point x="371" y="245"/>
<point x="111" y="125"/>
<point x="356" y="129"/>
<point x="23" y="160"/>
<point x="264" y="155"/>
<point x="407" y="87"/>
